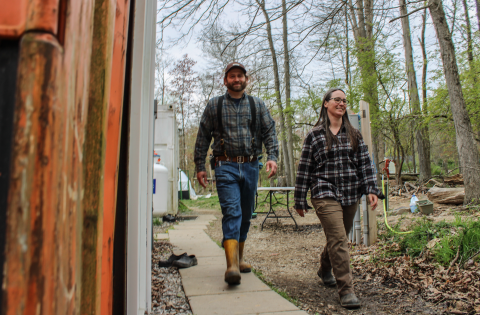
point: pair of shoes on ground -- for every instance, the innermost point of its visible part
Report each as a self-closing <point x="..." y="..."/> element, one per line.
<point x="181" y="261"/>
<point x="349" y="300"/>
<point x="169" y="218"/>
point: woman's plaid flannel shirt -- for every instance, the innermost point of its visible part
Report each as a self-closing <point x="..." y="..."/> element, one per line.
<point x="338" y="173"/>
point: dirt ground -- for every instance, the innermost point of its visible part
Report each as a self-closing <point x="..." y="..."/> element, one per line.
<point x="288" y="259"/>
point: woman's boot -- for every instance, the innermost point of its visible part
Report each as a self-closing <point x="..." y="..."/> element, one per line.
<point x="232" y="275"/>
<point x="244" y="267"/>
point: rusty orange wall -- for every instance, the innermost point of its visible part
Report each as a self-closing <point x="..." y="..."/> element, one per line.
<point x="112" y="152"/>
<point x="94" y="155"/>
<point x="30" y="238"/>
<point x="20" y="15"/>
<point x="68" y="113"/>
<point x="44" y="215"/>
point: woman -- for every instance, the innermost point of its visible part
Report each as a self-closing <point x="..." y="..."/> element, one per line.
<point x="336" y="167"/>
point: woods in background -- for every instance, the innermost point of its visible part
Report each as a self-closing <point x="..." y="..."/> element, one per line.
<point x="415" y="62"/>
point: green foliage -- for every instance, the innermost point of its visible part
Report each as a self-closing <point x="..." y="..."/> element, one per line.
<point x="437" y="170"/>
<point x="466" y="241"/>
<point x="413" y="244"/>
<point x="462" y="235"/>
<point x="182" y="208"/>
<point x="157" y="221"/>
<point x="440" y="118"/>
<point x="211" y="203"/>
<point x="266" y="182"/>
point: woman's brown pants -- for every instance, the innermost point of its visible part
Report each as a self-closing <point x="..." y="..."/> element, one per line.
<point x="337" y="222"/>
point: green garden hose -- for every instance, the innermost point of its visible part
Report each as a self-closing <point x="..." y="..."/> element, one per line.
<point x="385" y="213"/>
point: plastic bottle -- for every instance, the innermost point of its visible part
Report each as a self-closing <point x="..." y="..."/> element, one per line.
<point x="413" y="203"/>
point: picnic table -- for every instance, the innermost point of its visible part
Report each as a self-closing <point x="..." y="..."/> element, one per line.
<point x="272" y="191"/>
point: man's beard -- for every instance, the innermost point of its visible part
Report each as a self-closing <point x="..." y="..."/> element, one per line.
<point x="242" y="87"/>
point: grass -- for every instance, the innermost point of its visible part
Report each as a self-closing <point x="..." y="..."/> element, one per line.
<point x="214" y="203"/>
<point x="282" y="293"/>
<point x="461" y="235"/>
<point x="466" y="242"/>
<point x="202" y="203"/>
<point x="264" y="201"/>
<point x="157" y="221"/>
<point x="182" y="208"/>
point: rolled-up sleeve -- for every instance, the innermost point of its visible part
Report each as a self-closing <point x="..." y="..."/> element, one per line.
<point x="304" y="174"/>
<point x="269" y="135"/>
<point x="204" y="137"/>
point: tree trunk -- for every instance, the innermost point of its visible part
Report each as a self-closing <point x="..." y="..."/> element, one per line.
<point x="414" y="160"/>
<point x="400" y="155"/>
<point x="477" y="2"/>
<point x="277" y="91"/>
<point x="424" y="67"/>
<point x="446" y="195"/>
<point x="288" y="108"/>
<point x="347" y="51"/>
<point x="423" y="142"/>
<point x="469" y="36"/>
<point x="424" y="83"/>
<point x="466" y="146"/>
<point x="183" y="164"/>
<point x="362" y="24"/>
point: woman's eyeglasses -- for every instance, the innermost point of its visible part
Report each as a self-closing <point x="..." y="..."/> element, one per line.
<point x="339" y="100"/>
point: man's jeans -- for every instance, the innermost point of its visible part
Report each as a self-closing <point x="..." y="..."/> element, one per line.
<point x="236" y="187"/>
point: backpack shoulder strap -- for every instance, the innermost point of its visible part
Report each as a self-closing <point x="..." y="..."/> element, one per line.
<point x="253" y="111"/>
<point x="220" y="124"/>
<point x="219" y="115"/>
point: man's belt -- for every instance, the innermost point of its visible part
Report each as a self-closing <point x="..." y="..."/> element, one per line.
<point x="236" y="159"/>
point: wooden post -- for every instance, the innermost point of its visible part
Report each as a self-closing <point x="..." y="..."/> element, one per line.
<point x="367" y="138"/>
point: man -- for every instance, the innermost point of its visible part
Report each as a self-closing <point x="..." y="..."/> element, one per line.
<point x="237" y="141"/>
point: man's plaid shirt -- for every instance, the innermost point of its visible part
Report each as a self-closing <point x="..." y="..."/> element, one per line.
<point x="339" y="173"/>
<point x="237" y="136"/>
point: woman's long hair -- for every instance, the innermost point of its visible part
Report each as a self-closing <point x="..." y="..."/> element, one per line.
<point x="324" y="121"/>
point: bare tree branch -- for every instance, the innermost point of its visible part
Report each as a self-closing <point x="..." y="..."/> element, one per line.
<point x="409" y="13"/>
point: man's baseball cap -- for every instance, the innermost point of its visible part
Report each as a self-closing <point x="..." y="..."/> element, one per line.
<point x="232" y="65"/>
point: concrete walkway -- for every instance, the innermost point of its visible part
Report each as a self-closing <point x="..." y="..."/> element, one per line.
<point x="204" y="286"/>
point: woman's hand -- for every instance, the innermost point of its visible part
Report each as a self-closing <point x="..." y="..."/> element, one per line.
<point x="300" y="212"/>
<point x="372" y="200"/>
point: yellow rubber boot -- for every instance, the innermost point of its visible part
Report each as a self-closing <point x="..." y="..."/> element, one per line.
<point x="232" y="275"/>
<point x="244" y="267"/>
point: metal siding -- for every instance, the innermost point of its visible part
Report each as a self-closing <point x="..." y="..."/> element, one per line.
<point x="140" y="158"/>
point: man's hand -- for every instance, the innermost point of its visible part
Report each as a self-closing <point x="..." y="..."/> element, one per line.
<point x="372" y="200"/>
<point x="202" y="178"/>
<point x="300" y="212"/>
<point x="272" y="167"/>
